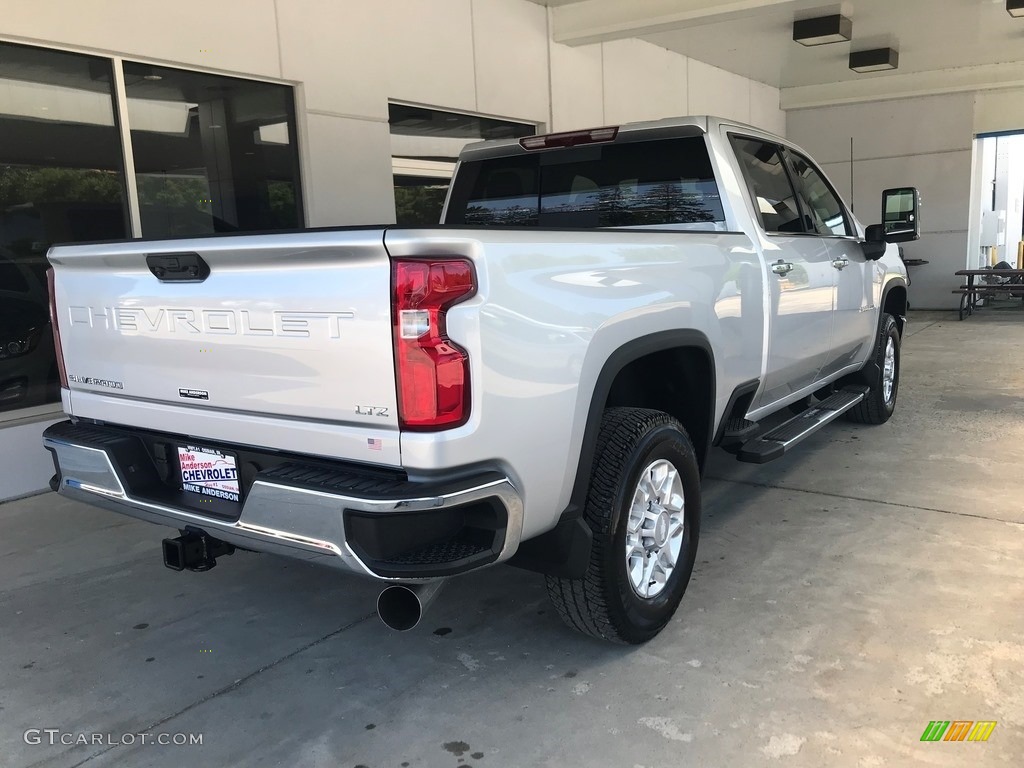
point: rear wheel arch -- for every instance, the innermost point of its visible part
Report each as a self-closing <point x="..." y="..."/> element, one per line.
<point x="565" y="550"/>
<point x="621" y="384"/>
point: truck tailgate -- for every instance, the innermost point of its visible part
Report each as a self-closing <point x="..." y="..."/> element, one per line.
<point x="291" y="327"/>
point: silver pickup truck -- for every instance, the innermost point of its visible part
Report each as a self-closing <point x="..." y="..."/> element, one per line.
<point x="537" y="381"/>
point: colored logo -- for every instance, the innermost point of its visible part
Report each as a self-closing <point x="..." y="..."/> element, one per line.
<point x="958" y="730"/>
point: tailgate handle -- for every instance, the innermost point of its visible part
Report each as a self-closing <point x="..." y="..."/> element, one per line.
<point x="182" y="267"/>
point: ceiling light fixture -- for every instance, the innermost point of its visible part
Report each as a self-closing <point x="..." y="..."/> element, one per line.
<point x="875" y="60"/>
<point x="1015" y="8"/>
<point x="148" y="72"/>
<point x="823" y="30"/>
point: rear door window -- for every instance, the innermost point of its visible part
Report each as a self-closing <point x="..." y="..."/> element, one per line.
<point x="770" y="186"/>
<point x="664" y="183"/>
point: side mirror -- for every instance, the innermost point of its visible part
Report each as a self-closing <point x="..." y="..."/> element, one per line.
<point x="874" y="242"/>
<point x="901" y="214"/>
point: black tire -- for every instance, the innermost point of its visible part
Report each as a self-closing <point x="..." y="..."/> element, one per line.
<point x="603" y="603"/>
<point x="875" y="408"/>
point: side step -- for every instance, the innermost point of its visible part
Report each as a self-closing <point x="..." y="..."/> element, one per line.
<point x="737" y="432"/>
<point x="774" y="443"/>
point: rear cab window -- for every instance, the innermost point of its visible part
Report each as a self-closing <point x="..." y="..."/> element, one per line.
<point x="665" y="183"/>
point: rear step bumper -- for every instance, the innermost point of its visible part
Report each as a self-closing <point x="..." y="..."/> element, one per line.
<point x="395" y="529"/>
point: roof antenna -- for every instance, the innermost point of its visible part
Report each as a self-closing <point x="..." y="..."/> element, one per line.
<point x="852" y="208"/>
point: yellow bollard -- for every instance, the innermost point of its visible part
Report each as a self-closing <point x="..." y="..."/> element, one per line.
<point x="993" y="255"/>
<point x="1020" y="255"/>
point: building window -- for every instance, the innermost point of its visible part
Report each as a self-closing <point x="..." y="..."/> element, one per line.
<point x="61" y="180"/>
<point x="212" y="153"/>
<point x="419" y="200"/>
<point x="425" y="144"/>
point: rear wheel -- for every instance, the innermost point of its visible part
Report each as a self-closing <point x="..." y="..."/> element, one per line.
<point x="643" y="506"/>
<point x="878" y="405"/>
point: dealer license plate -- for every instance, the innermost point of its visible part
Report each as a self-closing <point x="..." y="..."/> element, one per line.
<point x="208" y="472"/>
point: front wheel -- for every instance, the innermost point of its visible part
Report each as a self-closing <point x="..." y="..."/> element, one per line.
<point x="880" y="402"/>
<point x="643" y="507"/>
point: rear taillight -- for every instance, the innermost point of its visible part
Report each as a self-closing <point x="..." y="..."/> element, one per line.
<point x="431" y="371"/>
<point x="56" y="330"/>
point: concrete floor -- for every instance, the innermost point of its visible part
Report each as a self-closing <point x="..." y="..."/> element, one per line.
<point x="843" y="598"/>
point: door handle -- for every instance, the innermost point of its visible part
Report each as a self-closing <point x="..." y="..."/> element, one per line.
<point x="186" y="267"/>
<point x="781" y="267"/>
<point x="841" y="263"/>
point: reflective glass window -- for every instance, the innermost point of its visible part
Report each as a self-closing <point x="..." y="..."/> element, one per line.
<point x="212" y="153"/>
<point x="61" y="180"/>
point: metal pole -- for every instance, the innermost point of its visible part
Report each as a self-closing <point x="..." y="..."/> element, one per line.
<point x="121" y="100"/>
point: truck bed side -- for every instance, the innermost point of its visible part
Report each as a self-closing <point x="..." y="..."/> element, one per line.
<point x="551" y="309"/>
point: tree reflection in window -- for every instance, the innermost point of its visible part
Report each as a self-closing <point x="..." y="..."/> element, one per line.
<point x="640" y="184"/>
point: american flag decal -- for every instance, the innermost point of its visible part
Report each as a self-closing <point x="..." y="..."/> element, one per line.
<point x="374" y="444"/>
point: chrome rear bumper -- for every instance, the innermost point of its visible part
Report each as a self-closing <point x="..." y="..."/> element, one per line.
<point x="286" y="516"/>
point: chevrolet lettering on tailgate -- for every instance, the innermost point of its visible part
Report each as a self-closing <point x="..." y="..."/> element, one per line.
<point x="222" y="322"/>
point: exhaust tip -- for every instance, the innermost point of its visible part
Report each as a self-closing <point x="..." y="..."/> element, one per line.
<point x="399" y="608"/>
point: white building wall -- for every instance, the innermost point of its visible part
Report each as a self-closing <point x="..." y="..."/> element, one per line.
<point x="348" y="59"/>
<point x="629" y="80"/>
<point x="577" y="86"/>
<point x="996" y="111"/>
<point x="489" y="56"/>
<point x="236" y="35"/>
<point x="924" y="142"/>
<point x="25" y="466"/>
<point x="641" y="82"/>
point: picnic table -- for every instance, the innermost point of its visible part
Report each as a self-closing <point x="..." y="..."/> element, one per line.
<point x="1005" y="281"/>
